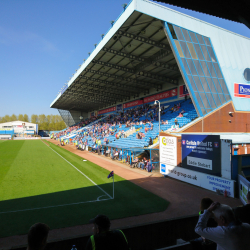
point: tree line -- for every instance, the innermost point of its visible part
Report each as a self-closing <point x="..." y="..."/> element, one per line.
<point x="45" y="122"/>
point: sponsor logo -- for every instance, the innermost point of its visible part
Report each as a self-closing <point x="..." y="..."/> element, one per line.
<point x="216" y="144"/>
<point x="183" y="142"/>
<point x="242" y="90"/>
<point x="163" y="168"/>
<point x="164" y="141"/>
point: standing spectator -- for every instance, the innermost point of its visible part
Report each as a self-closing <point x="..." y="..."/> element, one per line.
<point x="37" y="236"/>
<point x="120" y="154"/>
<point x="229" y="234"/>
<point x="243" y="213"/>
<point x="104" y="238"/>
<point x="198" y="242"/>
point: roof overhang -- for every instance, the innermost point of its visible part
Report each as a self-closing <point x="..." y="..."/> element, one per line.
<point x="133" y="57"/>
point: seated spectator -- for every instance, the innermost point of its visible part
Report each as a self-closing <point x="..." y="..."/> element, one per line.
<point x="104" y="238"/>
<point x="150" y="141"/>
<point x="229" y="234"/>
<point x="141" y="164"/>
<point x="115" y="155"/>
<point x="243" y="213"/>
<point x="37" y="236"/>
<point x="182" y="111"/>
<point x="134" y="163"/>
<point x="176" y="122"/>
<point x="162" y="122"/>
<point x="107" y="152"/>
<point x="180" y="115"/>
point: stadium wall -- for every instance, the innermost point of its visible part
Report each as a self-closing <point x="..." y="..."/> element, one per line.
<point x="221" y="121"/>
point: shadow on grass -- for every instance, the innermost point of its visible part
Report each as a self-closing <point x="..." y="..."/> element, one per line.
<point x="77" y="206"/>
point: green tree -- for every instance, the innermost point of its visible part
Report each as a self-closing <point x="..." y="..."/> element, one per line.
<point x="25" y="118"/>
<point x="42" y="122"/>
<point x="49" y="122"/>
<point x="13" y="117"/>
<point x="6" y="118"/>
<point x="20" y="117"/>
<point x="34" y="119"/>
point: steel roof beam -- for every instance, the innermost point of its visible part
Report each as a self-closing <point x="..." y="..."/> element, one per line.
<point x="147" y="61"/>
<point x="144" y="40"/>
<point x="127" y="79"/>
<point x="149" y="75"/>
<point x="107" y="93"/>
<point x="105" y="82"/>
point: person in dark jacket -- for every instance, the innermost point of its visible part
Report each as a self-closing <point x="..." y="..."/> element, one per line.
<point x="243" y="213"/>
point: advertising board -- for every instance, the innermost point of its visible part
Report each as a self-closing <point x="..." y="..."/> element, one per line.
<point x="183" y="91"/>
<point x="168" y="152"/>
<point x="209" y="182"/>
<point x="119" y="107"/>
<point x="243" y="189"/>
<point x="202" y="153"/>
<point x="242" y="90"/>
<point x="132" y="104"/>
<point x="163" y="95"/>
<point x="104" y="111"/>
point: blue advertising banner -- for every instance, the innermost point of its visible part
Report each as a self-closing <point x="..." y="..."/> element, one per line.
<point x="202" y="153"/>
<point x="119" y="107"/>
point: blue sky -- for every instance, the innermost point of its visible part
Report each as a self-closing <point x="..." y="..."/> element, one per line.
<point x="42" y="43"/>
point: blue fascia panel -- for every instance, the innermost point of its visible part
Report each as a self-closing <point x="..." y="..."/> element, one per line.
<point x="191" y="92"/>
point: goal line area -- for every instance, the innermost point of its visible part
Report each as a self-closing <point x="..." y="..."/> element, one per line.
<point x="88" y="192"/>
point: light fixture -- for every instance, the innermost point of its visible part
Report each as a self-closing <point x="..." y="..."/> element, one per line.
<point x="124" y="6"/>
<point x="95" y="45"/>
<point x="112" y="22"/>
<point x="230" y="112"/>
<point x="102" y="35"/>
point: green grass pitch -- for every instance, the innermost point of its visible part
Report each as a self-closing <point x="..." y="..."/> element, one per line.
<point x="40" y="183"/>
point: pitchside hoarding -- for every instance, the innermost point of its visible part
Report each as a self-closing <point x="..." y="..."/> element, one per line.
<point x="168" y="152"/>
<point x="202" y="153"/>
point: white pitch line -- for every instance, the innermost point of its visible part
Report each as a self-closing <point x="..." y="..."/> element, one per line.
<point x="80" y="172"/>
<point x="28" y="209"/>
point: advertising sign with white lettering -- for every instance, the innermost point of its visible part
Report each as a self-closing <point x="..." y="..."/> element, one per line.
<point x="215" y="183"/>
<point x="202" y="153"/>
<point x="203" y="180"/>
<point x="168" y="152"/>
<point x="242" y="90"/>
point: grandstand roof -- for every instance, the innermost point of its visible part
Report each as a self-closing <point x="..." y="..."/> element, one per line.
<point x="134" y="59"/>
<point x="134" y="56"/>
